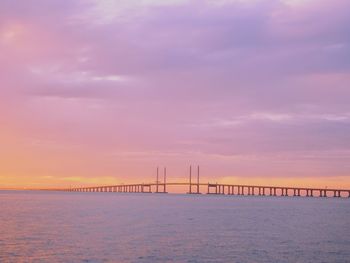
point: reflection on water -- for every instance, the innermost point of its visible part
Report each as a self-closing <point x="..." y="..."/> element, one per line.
<point x="110" y="227"/>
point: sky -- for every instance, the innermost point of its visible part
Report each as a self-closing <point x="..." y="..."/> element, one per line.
<point x="98" y="92"/>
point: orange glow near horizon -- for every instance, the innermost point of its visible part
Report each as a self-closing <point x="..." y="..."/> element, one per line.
<point x="78" y="181"/>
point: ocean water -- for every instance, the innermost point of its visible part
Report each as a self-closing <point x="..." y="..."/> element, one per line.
<point x="114" y="227"/>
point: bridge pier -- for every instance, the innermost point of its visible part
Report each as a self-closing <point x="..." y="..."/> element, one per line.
<point x="219" y="189"/>
<point x="215" y="186"/>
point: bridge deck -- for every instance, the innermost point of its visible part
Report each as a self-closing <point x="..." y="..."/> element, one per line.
<point x="230" y="189"/>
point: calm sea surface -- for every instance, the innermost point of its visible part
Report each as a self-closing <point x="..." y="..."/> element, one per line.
<point x="111" y="227"/>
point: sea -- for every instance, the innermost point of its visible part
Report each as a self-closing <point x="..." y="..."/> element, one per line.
<point x="45" y="226"/>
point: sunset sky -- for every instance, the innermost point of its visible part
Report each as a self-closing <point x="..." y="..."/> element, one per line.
<point x="97" y="92"/>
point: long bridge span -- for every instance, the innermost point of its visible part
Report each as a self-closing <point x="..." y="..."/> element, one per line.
<point x="214" y="188"/>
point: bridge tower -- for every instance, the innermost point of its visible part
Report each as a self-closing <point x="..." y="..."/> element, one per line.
<point x="196" y="184"/>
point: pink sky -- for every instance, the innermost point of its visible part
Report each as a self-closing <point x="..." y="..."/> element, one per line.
<point x="99" y="92"/>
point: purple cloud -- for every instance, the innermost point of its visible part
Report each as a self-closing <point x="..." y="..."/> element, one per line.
<point x="192" y="78"/>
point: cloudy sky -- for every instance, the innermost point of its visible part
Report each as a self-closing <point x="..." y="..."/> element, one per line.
<point x="103" y="91"/>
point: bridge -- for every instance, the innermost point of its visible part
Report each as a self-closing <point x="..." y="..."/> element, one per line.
<point x="214" y="188"/>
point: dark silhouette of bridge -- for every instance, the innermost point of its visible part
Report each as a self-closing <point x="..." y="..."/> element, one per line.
<point x="214" y="188"/>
